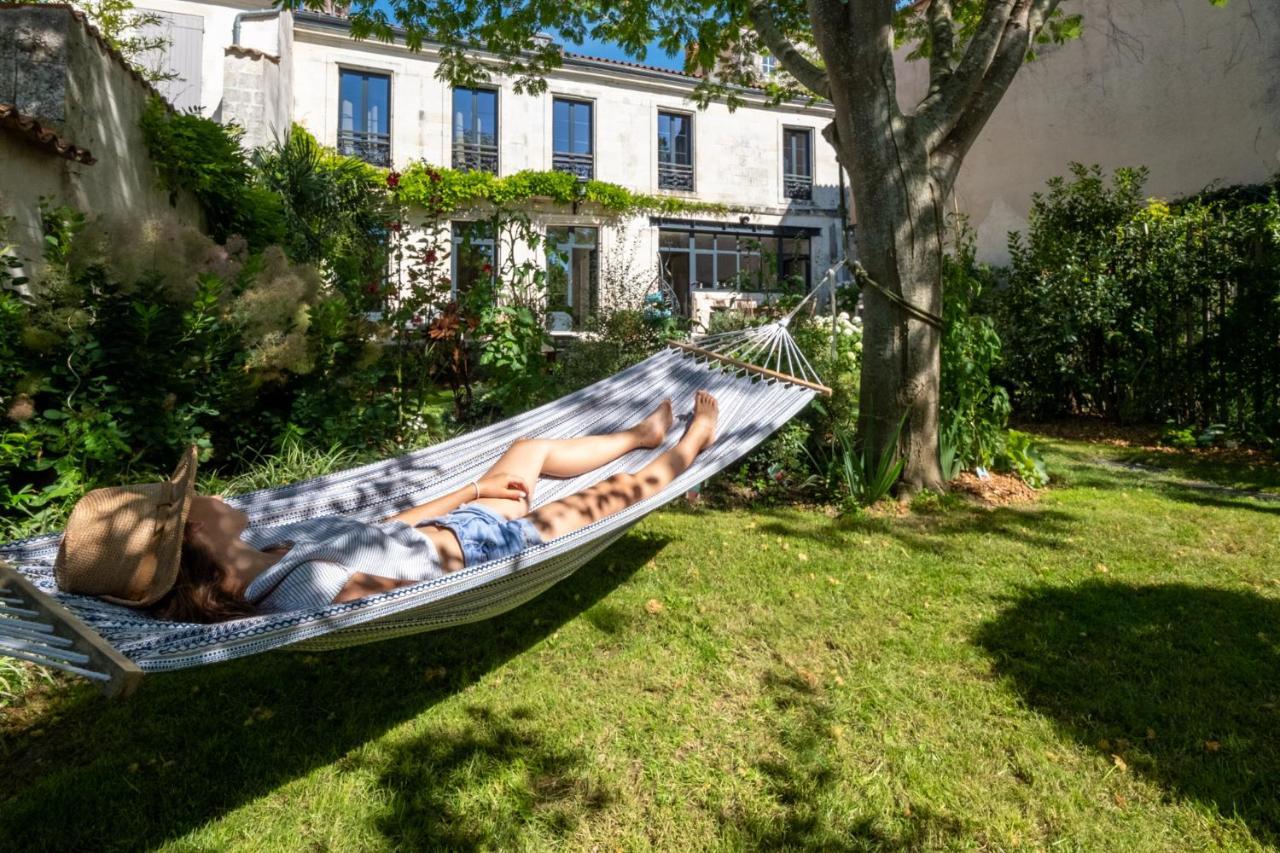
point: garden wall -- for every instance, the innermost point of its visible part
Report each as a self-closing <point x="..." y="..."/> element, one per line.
<point x="1190" y="90"/>
<point x="73" y="136"/>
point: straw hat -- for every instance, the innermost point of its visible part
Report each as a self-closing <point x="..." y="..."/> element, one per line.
<point x="124" y="543"/>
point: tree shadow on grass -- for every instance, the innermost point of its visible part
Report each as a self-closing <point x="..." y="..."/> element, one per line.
<point x="797" y="778"/>
<point x="937" y="533"/>
<point x="435" y="781"/>
<point x="1182" y="682"/>
<point x="193" y="745"/>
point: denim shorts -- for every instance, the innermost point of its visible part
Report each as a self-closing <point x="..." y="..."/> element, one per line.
<point x="485" y="534"/>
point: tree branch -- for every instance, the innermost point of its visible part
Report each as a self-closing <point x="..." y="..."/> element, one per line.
<point x="973" y="114"/>
<point x="793" y="61"/>
<point x="942" y="42"/>
<point x="938" y="112"/>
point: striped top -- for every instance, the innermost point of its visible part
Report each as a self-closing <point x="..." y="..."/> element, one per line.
<point x="323" y="554"/>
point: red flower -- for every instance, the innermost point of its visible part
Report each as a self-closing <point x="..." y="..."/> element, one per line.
<point x="371" y="287"/>
<point x="395" y="226"/>
<point x="393" y="179"/>
<point x="487" y="269"/>
<point x="430" y="256"/>
<point x="433" y="176"/>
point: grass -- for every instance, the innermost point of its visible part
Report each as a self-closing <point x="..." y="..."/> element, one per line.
<point x="1100" y="670"/>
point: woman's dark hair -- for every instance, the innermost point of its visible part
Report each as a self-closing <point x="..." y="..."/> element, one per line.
<point x="198" y="596"/>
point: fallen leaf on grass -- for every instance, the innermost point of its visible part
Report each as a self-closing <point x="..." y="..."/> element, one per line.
<point x="433" y="673"/>
<point x="653" y="606"/>
<point x="1101" y="568"/>
<point x="832" y="581"/>
<point x="1212" y="745"/>
<point x="1119" y="763"/>
<point x="802" y="556"/>
<point x="807" y="677"/>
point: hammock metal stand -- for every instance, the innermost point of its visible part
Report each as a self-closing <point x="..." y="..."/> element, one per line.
<point x="113" y="646"/>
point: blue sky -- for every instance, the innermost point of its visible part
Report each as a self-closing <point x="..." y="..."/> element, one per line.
<point x="606" y="50"/>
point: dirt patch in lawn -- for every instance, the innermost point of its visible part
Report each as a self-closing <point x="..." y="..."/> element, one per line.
<point x="995" y="490"/>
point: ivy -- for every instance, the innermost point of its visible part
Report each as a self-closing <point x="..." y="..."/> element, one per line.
<point x="445" y="190"/>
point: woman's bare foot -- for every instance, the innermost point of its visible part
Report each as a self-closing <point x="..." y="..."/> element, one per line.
<point x="652" y="430"/>
<point x="702" y="429"/>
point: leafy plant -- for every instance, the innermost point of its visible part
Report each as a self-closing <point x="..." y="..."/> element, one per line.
<point x="974" y="410"/>
<point x="1021" y="457"/>
<point x="205" y="158"/>
<point x="337" y="210"/>
<point x="867" y="477"/>
<point x="1183" y="438"/>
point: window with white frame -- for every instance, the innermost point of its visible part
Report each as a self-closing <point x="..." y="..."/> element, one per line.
<point x="364" y="116"/>
<point x="573" y="271"/>
<point x="474" y="255"/>
<point x="797" y="163"/>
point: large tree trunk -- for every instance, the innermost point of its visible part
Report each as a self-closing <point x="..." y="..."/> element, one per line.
<point x="899" y="243"/>
<point x="898" y="207"/>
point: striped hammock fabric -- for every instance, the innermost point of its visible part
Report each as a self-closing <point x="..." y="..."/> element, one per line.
<point x="753" y="404"/>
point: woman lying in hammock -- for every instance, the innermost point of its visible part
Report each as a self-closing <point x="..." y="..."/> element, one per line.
<point x="192" y="558"/>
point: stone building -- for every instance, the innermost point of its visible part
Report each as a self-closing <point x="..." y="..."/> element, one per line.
<point x="620" y="122"/>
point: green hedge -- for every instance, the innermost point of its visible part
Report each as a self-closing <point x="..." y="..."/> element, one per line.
<point x="1142" y="310"/>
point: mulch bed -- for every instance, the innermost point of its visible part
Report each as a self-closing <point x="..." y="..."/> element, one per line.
<point x="996" y="490"/>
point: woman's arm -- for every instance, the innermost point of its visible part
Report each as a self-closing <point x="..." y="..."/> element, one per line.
<point x="360" y="585"/>
<point x="492" y="485"/>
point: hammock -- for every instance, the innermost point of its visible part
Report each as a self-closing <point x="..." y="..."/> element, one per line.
<point x="759" y="376"/>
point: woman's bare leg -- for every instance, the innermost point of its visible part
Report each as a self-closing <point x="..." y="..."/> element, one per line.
<point x="530" y="458"/>
<point x="621" y="490"/>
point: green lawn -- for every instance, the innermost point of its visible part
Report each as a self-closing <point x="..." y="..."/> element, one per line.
<point x="1100" y="670"/>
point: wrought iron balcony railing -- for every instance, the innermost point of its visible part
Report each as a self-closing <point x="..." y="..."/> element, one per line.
<point x="579" y="165"/>
<point x="675" y="176"/>
<point x="475" y="157"/>
<point x="374" y="148"/>
<point x="797" y="186"/>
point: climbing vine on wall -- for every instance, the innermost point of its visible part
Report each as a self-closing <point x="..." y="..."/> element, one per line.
<point x="427" y="185"/>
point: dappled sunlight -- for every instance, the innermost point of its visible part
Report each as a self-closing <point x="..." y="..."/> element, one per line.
<point x="440" y="786"/>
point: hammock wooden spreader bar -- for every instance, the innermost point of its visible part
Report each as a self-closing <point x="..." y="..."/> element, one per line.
<point x="36" y="628"/>
<point x="752" y="368"/>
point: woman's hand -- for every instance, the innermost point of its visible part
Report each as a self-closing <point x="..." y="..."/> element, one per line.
<point x="500" y="484"/>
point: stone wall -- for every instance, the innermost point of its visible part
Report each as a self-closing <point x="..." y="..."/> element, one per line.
<point x="58" y="71"/>
<point x="257" y="85"/>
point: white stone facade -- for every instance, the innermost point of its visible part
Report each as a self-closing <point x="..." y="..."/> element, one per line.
<point x="265" y="69"/>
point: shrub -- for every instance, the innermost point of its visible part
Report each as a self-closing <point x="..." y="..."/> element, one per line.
<point x="337" y="210"/>
<point x="974" y="410"/>
<point x="205" y="157"/>
<point x="1142" y="310"/>
<point x="130" y="349"/>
